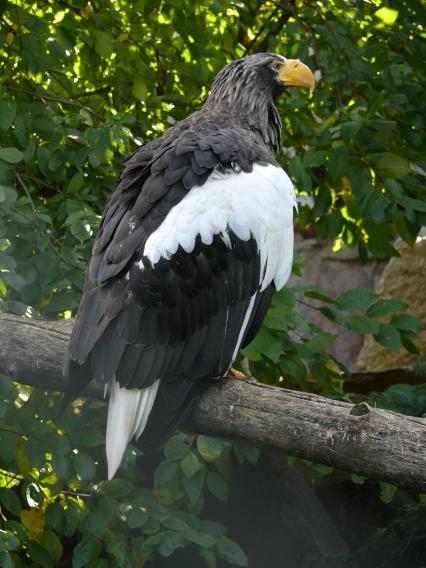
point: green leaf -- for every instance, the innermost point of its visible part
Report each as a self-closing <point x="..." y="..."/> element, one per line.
<point x="265" y="343"/>
<point x="8" y="448"/>
<point x="387" y="492"/>
<point x="61" y="466"/>
<point x="409" y="345"/>
<point x="75" y="183"/>
<point x="208" y="554"/>
<point x="118" y="488"/>
<point x="358" y="479"/>
<point x="356" y="299"/>
<point x="14" y="280"/>
<point x="36" y="453"/>
<point x="388" y="336"/>
<point x="8" y="540"/>
<point x="389" y="165"/>
<point x="140" y="88"/>
<point x="314" y="158"/>
<point x="137" y="517"/>
<point x="190" y="464"/>
<point x="362" y="324"/>
<point x="7" y="262"/>
<point x="387" y="15"/>
<point x="71" y="521"/>
<point x="174" y="523"/>
<point x="200" y="538"/>
<point x="10" y="501"/>
<point x="293" y="367"/>
<point x="178" y="446"/>
<point x="39" y="554"/>
<point x="210" y="448"/>
<point x="103" y="43"/>
<point x="7" y="388"/>
<point x="152" y="541"/>
<point x="81" y="230"/>
<point x="350" y="129"/>
<point x="383" y="307"/>
<point x="251" y="453"/>
<point x="285" y="297"/>
<point x="83" y="552"/>
<point x="91" y="438"/>
<point x="18" y="530"/>
<point x="320" y="343"/>
<point x="84" y="466"/>
<point x="66" y="300"/>
<point x="51" y="542"/>
<point x="194" y="485"/>
<point x="95" y="524"/>
<point x="231" y="551"/>
<point x="416" y="204"/>
<point x="6" y="561"/>
<point x="8" y="195"/>
<point x="407" y="322"/>
<point x="165" y="472"/>
<point x="54" y="517"/>
<point x="7" y="113"/>
<point x="100" y="563"/>
<point x="11" y="155"/>
<point x="318" y="296"/>
<point x="217" y="486"/>
<point x="117" y="546"/>
<point x="169" y="543"/>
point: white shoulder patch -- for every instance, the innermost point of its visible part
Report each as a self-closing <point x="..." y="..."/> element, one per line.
<point x="258" y="204"/>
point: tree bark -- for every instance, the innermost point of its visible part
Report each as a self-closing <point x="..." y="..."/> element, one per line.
<point x="357" y="438"/>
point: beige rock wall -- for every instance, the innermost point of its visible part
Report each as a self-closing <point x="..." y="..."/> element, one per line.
<point x="404" y="278"/>
<point x="335" y="273"/>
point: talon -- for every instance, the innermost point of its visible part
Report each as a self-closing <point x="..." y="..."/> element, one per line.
<point x="237" y="374"/>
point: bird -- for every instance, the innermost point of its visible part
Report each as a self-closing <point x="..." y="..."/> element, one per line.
<point x="192" y="243"/>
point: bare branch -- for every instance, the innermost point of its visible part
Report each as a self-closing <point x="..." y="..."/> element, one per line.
<point x="60" y="100"/>
<point x="357" y="438"/>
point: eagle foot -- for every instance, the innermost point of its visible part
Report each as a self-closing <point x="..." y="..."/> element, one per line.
<point x="234" y="374"/>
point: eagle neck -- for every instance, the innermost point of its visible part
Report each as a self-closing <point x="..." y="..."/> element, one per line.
<point x="256" y="111"/>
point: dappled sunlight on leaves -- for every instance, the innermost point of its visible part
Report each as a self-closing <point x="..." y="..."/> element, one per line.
<point x="83" y="84"/>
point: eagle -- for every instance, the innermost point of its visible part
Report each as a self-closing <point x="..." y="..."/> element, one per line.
<point x="192" y="243"/>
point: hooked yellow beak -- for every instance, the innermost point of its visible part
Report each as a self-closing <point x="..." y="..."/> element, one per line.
<point x="294" y="73"/>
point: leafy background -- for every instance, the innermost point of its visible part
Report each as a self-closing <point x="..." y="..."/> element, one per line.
<point x="81" y="84"/>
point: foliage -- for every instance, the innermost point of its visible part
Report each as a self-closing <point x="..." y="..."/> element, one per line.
<point x="292" y="350"/>
<point x="81" y="84"/>
<point x="406" y="399"/>
<point x="57" y="508"/>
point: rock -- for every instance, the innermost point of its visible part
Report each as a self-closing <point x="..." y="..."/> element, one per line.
<point x="335" y="272"/>
<point x="405" y="278"/>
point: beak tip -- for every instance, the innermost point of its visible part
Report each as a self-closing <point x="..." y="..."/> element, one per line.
<point x="297" y="74"/>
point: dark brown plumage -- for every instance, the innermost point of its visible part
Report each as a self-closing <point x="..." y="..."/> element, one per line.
<point x="140" y="319"/>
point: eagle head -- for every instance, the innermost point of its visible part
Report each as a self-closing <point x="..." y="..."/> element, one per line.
<point x="259" y="76"/>
<point x="248" y="87"/>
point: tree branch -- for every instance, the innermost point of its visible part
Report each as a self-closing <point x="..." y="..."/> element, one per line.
<point x="46" y="97"/>
<point x="367" y="441"/>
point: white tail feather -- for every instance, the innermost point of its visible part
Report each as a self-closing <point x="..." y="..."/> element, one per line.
<point x="128" y="413"/>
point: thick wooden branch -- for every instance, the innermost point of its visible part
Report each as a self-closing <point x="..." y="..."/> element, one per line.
<point x="357" y="438"/>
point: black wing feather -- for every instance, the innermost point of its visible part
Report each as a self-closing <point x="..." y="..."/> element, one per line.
<point x="180" y="319"/>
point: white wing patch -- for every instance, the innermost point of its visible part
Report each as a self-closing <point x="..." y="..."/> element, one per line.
<point x="244" y="327"/>
<point x="259" y="203"/>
